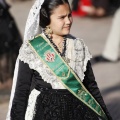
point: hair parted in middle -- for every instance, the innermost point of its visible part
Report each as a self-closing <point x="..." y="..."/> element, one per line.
<point x="47" y="9"/>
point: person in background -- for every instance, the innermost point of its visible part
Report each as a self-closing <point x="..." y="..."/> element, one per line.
<point x="10" y="42"/>
<point x="95" y="8"/>
<point x="53" y="76"/>
<point x="111" y="51"/>
<point x="81" y="7"/>
<point x="99" y="8"/>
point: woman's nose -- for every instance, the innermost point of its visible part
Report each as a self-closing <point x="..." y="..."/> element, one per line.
<point x="68" y="20"/>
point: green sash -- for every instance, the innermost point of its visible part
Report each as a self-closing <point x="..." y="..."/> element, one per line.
<point x="49" y="56"/>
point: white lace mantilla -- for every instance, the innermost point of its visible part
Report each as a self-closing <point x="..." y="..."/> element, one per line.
<point x="32" y="27"/>
<point x="76" y="52"/>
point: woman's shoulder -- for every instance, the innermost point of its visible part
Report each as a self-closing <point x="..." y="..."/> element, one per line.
<point x="76" y="40"/>
<point x="70" y="36"/>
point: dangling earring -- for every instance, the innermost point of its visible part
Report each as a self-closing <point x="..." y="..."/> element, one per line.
<point x="48" y="31"/>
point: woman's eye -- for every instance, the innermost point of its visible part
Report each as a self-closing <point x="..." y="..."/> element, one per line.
<point x="62" y="17"/>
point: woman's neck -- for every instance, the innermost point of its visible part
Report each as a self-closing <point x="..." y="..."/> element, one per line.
<point x="57" y="39"/>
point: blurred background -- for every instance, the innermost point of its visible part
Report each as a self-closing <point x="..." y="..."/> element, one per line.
<point x="95" y="21"/>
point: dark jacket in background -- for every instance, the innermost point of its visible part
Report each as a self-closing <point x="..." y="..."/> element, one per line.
<point x="10" y="42"/>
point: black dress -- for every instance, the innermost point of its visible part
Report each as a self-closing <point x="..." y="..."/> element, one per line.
<point x="10" y="42"/>
<point x="53" y="104"/>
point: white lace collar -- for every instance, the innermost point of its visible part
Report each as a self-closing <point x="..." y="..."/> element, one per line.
<point x="76" y="52"/>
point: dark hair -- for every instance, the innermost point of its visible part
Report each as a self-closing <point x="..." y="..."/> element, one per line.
<point x="46" y="10"/>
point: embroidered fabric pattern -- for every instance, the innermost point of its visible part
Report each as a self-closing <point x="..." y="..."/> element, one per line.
<point x="78" y="54"/>
<point x="57" y="105"/>
<point x="75" y="50"/>
<point x="82" y="58"/>
<point x="28" y="56"/>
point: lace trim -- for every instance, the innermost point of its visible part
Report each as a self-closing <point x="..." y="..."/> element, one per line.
<point x="76" y="51"/>
<point x="30" y="112"/>
<point x="28" y="56"/>
<point x="78" y="54"/>
<point x="32" y="24"/>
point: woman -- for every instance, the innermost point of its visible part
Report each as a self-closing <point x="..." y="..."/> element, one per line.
<point x="52" y="66"/>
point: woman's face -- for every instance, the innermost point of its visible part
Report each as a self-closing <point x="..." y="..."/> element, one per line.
<point x="61" y="20"/>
